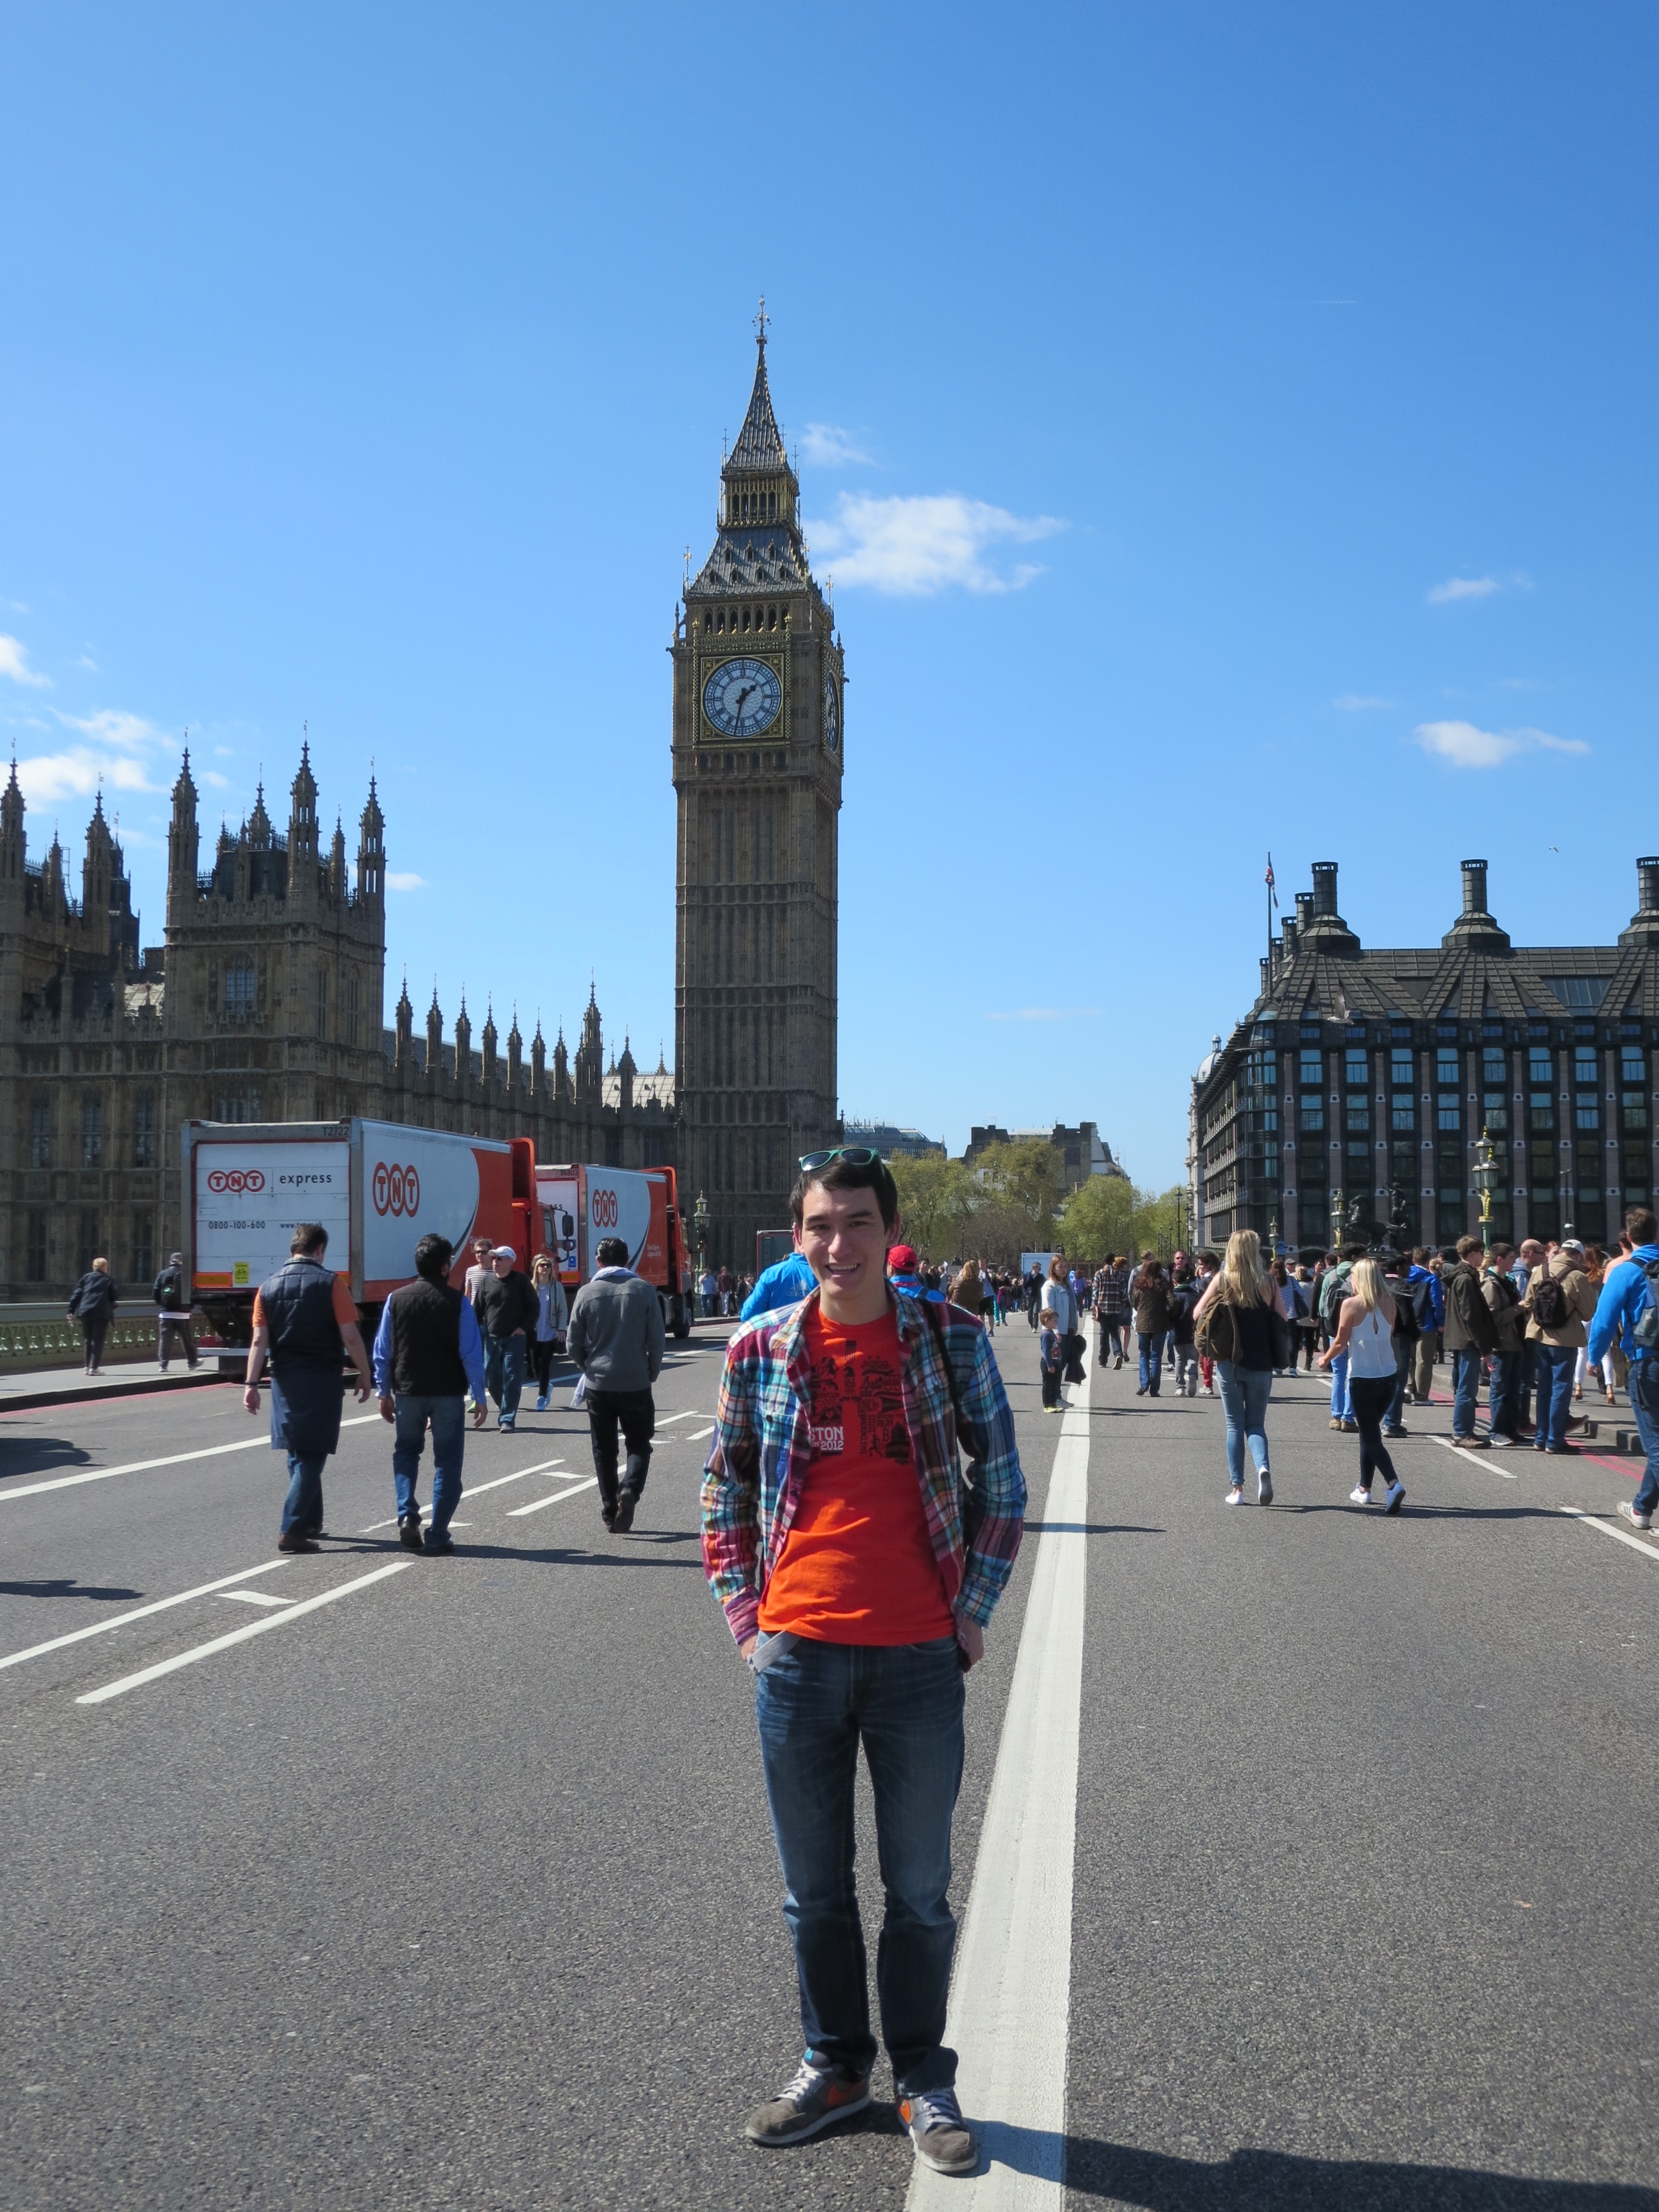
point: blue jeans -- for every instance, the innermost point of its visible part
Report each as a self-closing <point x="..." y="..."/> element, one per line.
<point x="504" y="1375"/>
<point x="1505" y="1392"/>
<point x="1244" y="1394"/>
<point x="1151" y="1358"/>
<point x="1645" y="1404"/>
<point x="814" y="1705"/>
<point x="1341" y="1402"/>
<point x="1555" y="1365"/>
<point x="1465" y="1389"/>
<point x="302" y="1510"/>
<point x="448" y="1420"/>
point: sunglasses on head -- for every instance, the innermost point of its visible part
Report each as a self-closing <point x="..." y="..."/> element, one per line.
<point x="856" y="1155"/>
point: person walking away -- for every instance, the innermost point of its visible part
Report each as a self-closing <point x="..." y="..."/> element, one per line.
<point x="617" y="1339"/>
<point x="1470" y="1336"/>
<point x="858" y="1564"/>
<point x="1245" y="1337"/>
<point x="1209" y="1267"/>
<point x="304" y="1318"/>
<point x="1057" y="1295"/>
<point x="508" y="1310"/>
<point x="1284" y="1296"/>
<point x="429" y="1357"/>
<point x="987" y="1298"/>
<point x="477" y="1275"/>
<point x="1106" y="1297"/>
<point x="1152" y="1318"/>
<point x="1365" y="1334"/>
<point x="1596" y="1271"/>
<point x="724" y="1282"/>
<point x="1332" y="1291"/>
<point x="1558" y="1301"/>
<point x="92" y="1303"/>
<point x="1183" y="1299"/>
<point x="1396" y="1281"/>
<point x="785" y="1283"/>
<point x="1430" y="1309"/>
<point x="1627" y="1314"/>
<point x="1509" y="1358"/>
<point x="1307" y="1320"/>
<point x="172" y="1295"/>
<point x="708" y="1290"/>
<point x="1051" y="1358"/>
<point x="552" y="1317"/>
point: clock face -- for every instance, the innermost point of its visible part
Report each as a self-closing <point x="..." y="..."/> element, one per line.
<point x="742" y="697"/>
<point x="831" y="715"/>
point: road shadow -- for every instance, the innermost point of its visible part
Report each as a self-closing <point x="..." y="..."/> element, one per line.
<point x="1091" y="1528"/>
<point x="1276" y="2181"/>
<point x="63" y="1586"/>
<point x="1409" y="1511"/>
<point x="38" y="1456"/>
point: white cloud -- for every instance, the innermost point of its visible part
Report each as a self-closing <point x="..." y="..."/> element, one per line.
<point x="212" y="775"/>
<point x="400" y="879"/>
<point x="1463" y="587"/>
<point x="1357" y="703"/>
<point x="829" y="446"/>
<point x="76" y="772"/>
<point x="915" y="547"/>
<point x="1460" y="744"/>
<point x="14" y="662"/>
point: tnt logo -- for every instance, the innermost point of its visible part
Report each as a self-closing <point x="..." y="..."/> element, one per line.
<point x="236" y="1179"/>
<point x="395" y="1190"/>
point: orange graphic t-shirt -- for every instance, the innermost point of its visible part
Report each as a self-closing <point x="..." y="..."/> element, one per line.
<point x="857" y="1565"/>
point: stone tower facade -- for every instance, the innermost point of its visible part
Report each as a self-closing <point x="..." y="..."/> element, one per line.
<point x="758" y="745"/>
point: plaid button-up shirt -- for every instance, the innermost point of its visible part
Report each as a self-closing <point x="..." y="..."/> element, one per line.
<point x="1111" y="1292"/>
<point x="758" y="1462"/>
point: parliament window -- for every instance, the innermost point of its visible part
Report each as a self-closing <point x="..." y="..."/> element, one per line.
<point x="34" y="1262"/>
<point x="143" y="1130"/>
<point x="41" y="1133"/>
<point x="351" y="1008"/>
<point x="322" y="1005"/>
<point x="143" y="1247"/>
<point x="239" y="989"/>
<point x="89" y="1250"/>
<point x="92" y="1132"/>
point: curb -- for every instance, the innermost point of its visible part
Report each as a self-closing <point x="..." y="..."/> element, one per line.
<point x="32" y="1401"/>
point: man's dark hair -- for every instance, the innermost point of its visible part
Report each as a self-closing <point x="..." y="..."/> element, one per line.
<point x="844" y="1175"/>
<point x="309" y="1238"/>
<point x="1467" y="1246"/>
<point x="1641" y="1224"/>
<point x="611" y="1252"/>
<point x="1353" y="1251"/>
<point x="1420" y="1257"/>
<point x="434" y="1257"/>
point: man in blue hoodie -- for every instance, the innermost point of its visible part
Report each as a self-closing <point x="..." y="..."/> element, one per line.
<point x="1627" y="1295"/>
<point x="785" y="1283"/>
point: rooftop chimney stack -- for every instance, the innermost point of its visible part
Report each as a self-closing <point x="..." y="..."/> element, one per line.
<point x="1474" y="887"/>
<point x="1644" y="922"/>
<point x="1289" y="933"/>
<point x="1303" y="909"/>
<point x="1324" y="889"/>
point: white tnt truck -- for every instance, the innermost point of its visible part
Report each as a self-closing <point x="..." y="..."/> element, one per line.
<point x="377" y="1188"/>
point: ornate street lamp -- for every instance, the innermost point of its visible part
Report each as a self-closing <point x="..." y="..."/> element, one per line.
<point x="1486" y="1180"/>
<point x="700" y="1229"/>
<point x="1339" y="1218"/>
<point x="1273" y="1236"/>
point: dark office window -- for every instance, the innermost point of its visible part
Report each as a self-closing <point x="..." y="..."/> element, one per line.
<point x="1403" y="1110"/>
<point x="92" y="1132"/>
<point x="1494" y="1068"/>
<point x="1446" y="1069"/>
<point x="1358" y="1068"/>
<point x="1633" y="1110"/>
<point x="1540" y="1065"/>
<point x="1587" y="1114"/>
<point x="1313" y="1070"/>
<point x="1404" y="1075"/>
<point x="34" y="1263"/>
<point x="41" y="1133"/>
<point x="1633" y="1065"/>
<point x="143" y="1130"/>
<point x="1448" y="1112"/>
<point x="1313" y="1115"/>
<point x="1359" y="1112"/>
<point x="1585" y="1069"/>
<point x="1495" y="1109"/>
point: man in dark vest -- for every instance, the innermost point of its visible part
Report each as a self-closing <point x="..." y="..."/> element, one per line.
<point x="304" y="1317"/>
<point x="428" y="1353"/>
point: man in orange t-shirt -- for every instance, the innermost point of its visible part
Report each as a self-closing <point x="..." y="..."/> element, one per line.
<point x="304" y="1316"/>
<point x="858" y="1566"/>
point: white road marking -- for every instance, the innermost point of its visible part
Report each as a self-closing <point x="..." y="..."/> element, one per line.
<point x="140" y="1612"/>
<point x="140" y="1466"/>
<point x="1010" y="2010"/>
<point x="125" y="1682"/>
<point x="1606" y="1529"/>
<point x="255" y="1597"/>
<point x="696" y="1436"/>
<point x="669" y="1419"/>
<point x="471" y="1490"/>
<point x="1479" y="1459"/>
<point x="557" y="1497"/>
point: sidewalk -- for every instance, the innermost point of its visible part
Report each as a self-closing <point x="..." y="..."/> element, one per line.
<point x="67" y="1386"/>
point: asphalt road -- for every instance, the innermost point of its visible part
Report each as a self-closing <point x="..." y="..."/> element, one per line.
<point x="458" y="1889"/>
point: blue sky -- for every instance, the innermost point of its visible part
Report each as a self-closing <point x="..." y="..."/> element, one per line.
<point x="1228" y="429"/>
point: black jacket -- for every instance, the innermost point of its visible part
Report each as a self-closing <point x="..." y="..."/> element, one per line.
<point x="1469" y="1324"/>
<point x="93" y="1298"/>
<point x="508" y="1305"/>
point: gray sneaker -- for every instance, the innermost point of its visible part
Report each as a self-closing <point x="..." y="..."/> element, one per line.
<point x="939" y="2131"/>
<point x="816" y="2098"/>
<point x="1264" y="1488"/>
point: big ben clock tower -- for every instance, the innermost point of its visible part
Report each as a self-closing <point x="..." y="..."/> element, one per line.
<point x="758" y="740"/>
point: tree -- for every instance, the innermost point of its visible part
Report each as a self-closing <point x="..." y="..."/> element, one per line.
<point x="1109" y="1214"/>
<point x="936" y="1197"/>
<point x="1027" y="1176"/>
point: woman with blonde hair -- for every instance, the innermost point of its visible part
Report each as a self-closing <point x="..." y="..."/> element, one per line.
<point x="1365" y="1333"/>
<point x="1253" y="1329"/>
<point x="551" y="1323"/>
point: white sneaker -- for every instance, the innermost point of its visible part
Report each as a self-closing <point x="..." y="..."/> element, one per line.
<point x="1236" y="1495"/>
<point x="1359" y="1497"/>
<point x="1396" y="1497"/>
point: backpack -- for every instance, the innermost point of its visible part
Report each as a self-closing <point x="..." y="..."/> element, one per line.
<point x="1550" y="1309"/>
<point x="1215" y="1336"/>
<point x="1332" y="1291"/>
<point x="169" y="1292"/>
<point x="1644" y="1330"/>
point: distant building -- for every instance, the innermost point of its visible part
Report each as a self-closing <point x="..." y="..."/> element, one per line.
<point x="1083" y="1150"/>
<point x="1366" y="1077"/>
<point x="887" y="1140"/>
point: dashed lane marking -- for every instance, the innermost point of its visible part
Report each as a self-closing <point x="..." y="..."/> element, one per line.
<point x="1478" y="1459"/>
<point x="1606" y="1529"/>
<point x="472" y="1490"/>
<point x="139" y="1613"/>
<point x="125" y="1682"/>
<point x="557" y="1497"/>
<point x="254" y="1597"/>
<point x="140" y="1466"/>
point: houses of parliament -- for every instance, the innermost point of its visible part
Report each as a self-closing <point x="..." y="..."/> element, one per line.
<point x="266" y="1000"/>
